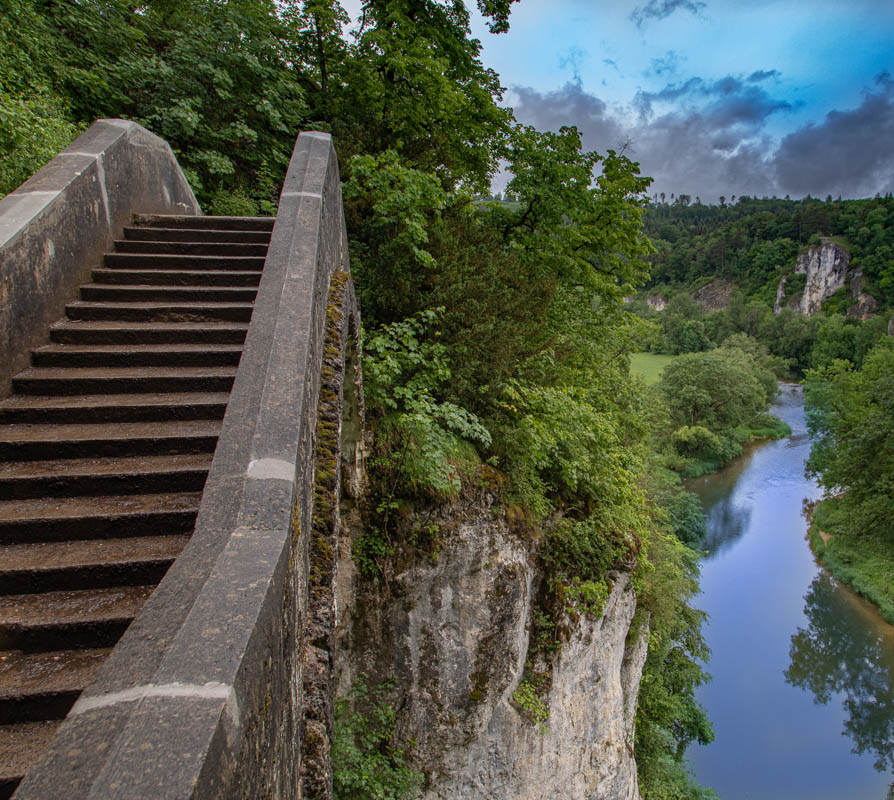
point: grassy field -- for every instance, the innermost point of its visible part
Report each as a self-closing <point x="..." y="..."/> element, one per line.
<point x="649" y="365"/>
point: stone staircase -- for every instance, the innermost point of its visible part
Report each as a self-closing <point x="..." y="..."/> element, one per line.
<point x="105" y="445"/>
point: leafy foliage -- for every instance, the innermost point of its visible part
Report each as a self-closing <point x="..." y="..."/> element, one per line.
<point x="424" y="442"/>
<point x="366" y="761"/>
<point x="214" y="79"/>
<point x="668" y="717"/>
<point x="851" y="416"/>
<point x="34" y="119"/>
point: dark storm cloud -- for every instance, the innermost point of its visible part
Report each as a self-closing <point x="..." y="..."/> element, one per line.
<point x="747" y="106"/>
<point x="716" y="143"/>
<point x="762" y="75"/>
<point x="848" y="153"/>
<point x="644" y="100"/>
<point x="570" y="105"/>
<point x="728" y="101"/>
<point x="661" y="9"/>
<point x="705" y="152"/>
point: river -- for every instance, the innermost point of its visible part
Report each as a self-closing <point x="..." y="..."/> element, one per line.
<point x="802" y="696"/>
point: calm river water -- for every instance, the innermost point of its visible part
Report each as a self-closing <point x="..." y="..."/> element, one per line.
<point x="802" y="696"/>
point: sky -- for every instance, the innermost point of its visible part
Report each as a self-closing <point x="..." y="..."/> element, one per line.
<point x="712" y="97"/>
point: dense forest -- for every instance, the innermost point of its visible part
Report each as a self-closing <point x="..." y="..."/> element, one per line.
<point x="497" y="337"/>
<point x="753" y="242"/>
<point x="751" y="245"/>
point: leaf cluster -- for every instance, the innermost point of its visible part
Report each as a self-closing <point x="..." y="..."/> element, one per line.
<point x="366" y="760"/>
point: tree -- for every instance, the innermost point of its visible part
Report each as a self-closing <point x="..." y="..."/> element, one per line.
<point x="851" y="416"/>
<point x="717" y="390"/>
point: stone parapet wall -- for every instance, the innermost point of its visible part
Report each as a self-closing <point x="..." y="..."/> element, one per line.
<point x="204" y="695"/>
<point x="56" y="226"/>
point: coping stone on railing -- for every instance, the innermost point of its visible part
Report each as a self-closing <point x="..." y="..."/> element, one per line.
<point x="56" y="226"/>
<point x="201" y="698"/>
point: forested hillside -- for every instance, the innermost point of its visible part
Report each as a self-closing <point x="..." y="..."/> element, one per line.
<point x="755" y="242"/>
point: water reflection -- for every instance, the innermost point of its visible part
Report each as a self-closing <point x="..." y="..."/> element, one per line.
<point x="727" y="520"/>
<point x="843" y="651"/>
<point x="774" y="742"/>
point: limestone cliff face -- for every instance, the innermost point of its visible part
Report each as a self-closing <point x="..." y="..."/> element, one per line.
<point x="826" y="267"/>
<point x="656" y="301"/>
<point x="452" y="632"/>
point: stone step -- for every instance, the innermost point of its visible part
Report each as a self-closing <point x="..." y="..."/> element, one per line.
<point x="113" y="293"/>
<point x="159" y="355"/>
<point x="112" y="332"/>
<point x="204" y="223"/>
<point x="191" y="248"/>
<point x="20" y="747"/>
<point x="57" y="519"/>
<point x="87" y="563"/>
<point x="183" y="262"/>
<point x="76" y="619"/>
<point x="52" y="442"/>
<point x="105" y="447"/>
<point x="122" y="380"/>
<point x="70" y="477"/>
<point x="106" y="408"/>
<point x="195" y="235"/>
<point x="170" y="277"/>
<point x="160" y="312"/>
<point x="44" y="686"/>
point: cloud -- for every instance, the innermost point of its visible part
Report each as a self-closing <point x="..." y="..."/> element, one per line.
<point x="666" y="64"/>
<point x="848" y="153"/>
<point x="661" y="9"/>
<point x="763" y="75"/>
<point x="710" y="138"/>
<point x="570" y="105"/>
<point x="573" y="57"/>
<point x="725" y="102"/>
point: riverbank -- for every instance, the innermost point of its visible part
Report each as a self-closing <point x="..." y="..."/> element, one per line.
<point x="764" y="427"/>
<point x="864" y="563"/>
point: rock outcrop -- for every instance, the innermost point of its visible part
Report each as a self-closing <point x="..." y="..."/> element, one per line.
<point x="864" y="305"/>
<point x="826" y="270"/>
<point x="780" y="295"/>
<point x="826" y="267"/>
<point x="452" y="632"/>
<point x="716" y="295"/>
<point x="656" y="301"/>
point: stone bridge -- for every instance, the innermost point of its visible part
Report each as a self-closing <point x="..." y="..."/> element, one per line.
<point x="192" y="422"/>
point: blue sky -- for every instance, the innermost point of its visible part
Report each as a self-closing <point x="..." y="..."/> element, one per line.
<point x="713" y="97"/>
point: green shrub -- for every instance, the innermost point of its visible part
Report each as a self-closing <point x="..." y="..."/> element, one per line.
<point x="367" y="762"/>
<point x="232" y="203"/>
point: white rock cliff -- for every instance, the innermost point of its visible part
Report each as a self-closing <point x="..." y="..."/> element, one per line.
<point x="453" y="635"/>
<point x="826" y="267"/>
